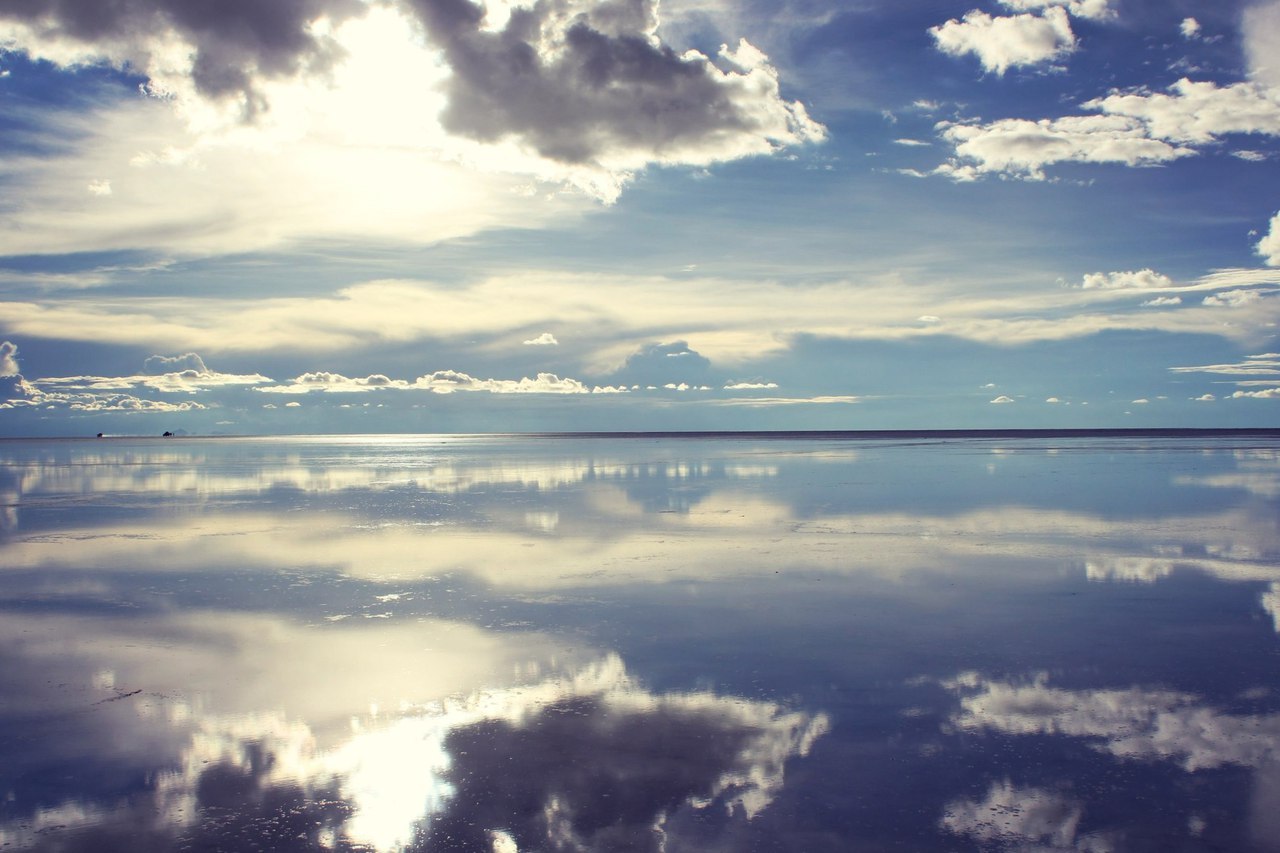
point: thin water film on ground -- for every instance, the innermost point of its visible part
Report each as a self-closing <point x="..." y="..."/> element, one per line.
<point x="553" y="644"/>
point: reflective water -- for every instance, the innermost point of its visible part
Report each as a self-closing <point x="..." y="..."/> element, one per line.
<point x="640" y="644"/>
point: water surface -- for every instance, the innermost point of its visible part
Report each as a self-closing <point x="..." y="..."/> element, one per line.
<point x="719" y="643"/>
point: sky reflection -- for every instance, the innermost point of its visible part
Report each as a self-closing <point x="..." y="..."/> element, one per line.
<point x="557" y="644"/>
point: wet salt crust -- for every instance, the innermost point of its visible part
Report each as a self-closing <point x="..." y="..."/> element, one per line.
<point x="821" y="642"/>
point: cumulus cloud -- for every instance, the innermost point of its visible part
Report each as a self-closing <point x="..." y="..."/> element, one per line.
<point x="1232" y="298"/>
<point x="750" y="386"/>
<point x="592" y="83"/>
<point x="220" y="52"/>
<point x="1261" y="394"/>
<point x="1269" y="246"/>
<point x="160" y="364"/>
<point x="1001" y="43"/>
<point x="9" y="359"/>
<point x="449" y="381"/>
<point x="1097" y="10"/>
<point x="1190" y="28"/>
<point x="1003" y="398"/>
<point x="1197" y="112"/>
<point x="546" y="339"/>
<point x="1162" y="302"/>
<point x="1144" y="279"/>
<point x="324" y="381"/>
<point x="664" y="363"/>
<point x="1133" y="128"/>
<point x="1023" y="148"/>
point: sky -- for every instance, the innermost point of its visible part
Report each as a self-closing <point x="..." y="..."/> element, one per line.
<point x="362" y="216"/>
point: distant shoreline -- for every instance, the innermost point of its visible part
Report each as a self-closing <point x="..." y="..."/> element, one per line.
<point x="762" y="435"/>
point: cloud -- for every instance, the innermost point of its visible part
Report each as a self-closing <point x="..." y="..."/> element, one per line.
<point x="1190" y="28"/>
<point x="449" y="381"/>
<point x="1197" y="113"/>
<point x="1162" y="302"/>
<point x="1016" y="818"/>
<point x="1097" y="10"/>
<point x="1134" y="128"/>
<point x="1003" y="399"/>
<point x="9" y="359"/>
<point x="221" y="52"/>
<point x="1205" y="398"/>
<point x="1269" y="246"/>
<point x="353" y="143"/>
<point x="1232" y="298"/>
<point x="750" y="386"/>
<point x="546" y="339"/>
<point x="1135" y="723"/>
<point x="159" y="364"/>
<point x="1023" y="148"/>
<point x="439" y="382"/>
<point x="663" y="363"/>
<point x="1001" y="43"/>
<point x="608" y="320"/>
<point x="334" y="383"/>
<point x="1144" y="279"/>
<point x="592" y="83"/>
<point x="1262" y="394"/>
<point x="1262" y="364"/>
<point x="768" y="402"/>
<point x="1127" y="569"/>
<point x="1260" y="28"/>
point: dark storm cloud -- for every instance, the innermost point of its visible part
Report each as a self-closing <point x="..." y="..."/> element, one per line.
<point x="234" y="41"/>
<point x="577" y="81"/>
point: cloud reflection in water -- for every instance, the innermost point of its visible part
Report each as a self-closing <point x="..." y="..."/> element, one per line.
<point x="588" y="761"/>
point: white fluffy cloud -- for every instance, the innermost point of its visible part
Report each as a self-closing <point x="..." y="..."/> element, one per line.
<point x="1001" y="43"/>
<point x="1190" y="28"/>
<point x="8" y="359"/>
<point x="1023" y="148"/>
<point x="1133" y="128"/>
<point x="546" y="339"/>
<point x="1232" y="298"/>
<point x="1198" y="112"/>
<point x="1269" y="246"/>
<point x="1143" y="279"/>
<point x="1098" y="10"/>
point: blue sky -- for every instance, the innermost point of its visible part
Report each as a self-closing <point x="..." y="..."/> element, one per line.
<point x="431" y="215"/>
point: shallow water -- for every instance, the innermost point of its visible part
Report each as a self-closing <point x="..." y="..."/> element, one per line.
<point x="454" y="643"/>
